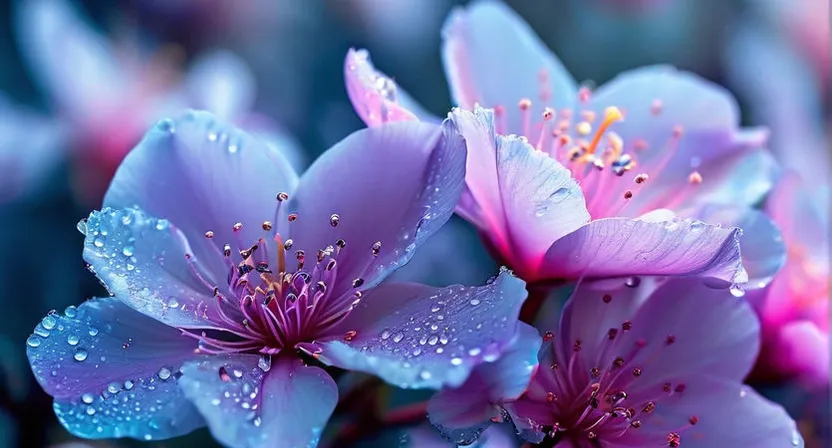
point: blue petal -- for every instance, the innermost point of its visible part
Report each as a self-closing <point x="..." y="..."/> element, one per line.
<point x="463" y="413"/>
<point x="395" y="184"/>
<point x="113" y="372"/>
<point x="251" y="404"/>
<point x="492" y="57"/>
<point x="762" y="247"/>
<point x="142" y="261"/>
<point x="416" y="336"/>
<point x="203" y="175"/>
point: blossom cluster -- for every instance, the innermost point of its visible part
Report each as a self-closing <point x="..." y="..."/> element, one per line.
<point x="640" y="282"/>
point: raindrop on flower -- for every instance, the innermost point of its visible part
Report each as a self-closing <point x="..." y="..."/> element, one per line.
<point x="80" y="354"/>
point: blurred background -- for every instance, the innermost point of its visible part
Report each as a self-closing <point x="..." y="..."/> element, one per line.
<point x="82" y="80"/>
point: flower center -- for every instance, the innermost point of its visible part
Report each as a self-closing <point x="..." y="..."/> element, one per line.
<point x="275" y="301"/>
<point x="597" y="402"/>
<point x="599" y="159"/>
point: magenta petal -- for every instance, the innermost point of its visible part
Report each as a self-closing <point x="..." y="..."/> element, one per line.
<point x="521" y="198"/>
<point x="417" y="336"/>
<point x="246" y="406"/>
<point x="91" y="359"/>
<point x="204" y="175"/>
<point x="618" y="247"/>
<point x="805" y="347"/>
<point x="492" y="57"/>
<point x="376" y="97"/>
<point x="141" y="260"/>
<point x="394" y="185"/>
<point x="727" y="414"/>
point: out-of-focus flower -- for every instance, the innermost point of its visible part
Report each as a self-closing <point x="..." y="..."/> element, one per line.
<point x="210" y="323"/>
<point x="649" y="366"/>
<point x="667" y="155"/>
<point x="107" y="93"/>
<point x="427" y="437"/>
<point x="30" y="150"/>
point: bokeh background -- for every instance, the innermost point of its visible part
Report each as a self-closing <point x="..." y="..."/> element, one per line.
<point x="81" y="80"/>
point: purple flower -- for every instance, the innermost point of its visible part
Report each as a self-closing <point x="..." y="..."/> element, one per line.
<point x="647" y="366"/>
<point x="572" y="201"/>
<point x="224" y="297"/>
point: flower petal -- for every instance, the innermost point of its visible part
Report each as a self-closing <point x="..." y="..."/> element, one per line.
<point x="204" y="175"/>
<point x="521" y="198"/>
<point x="728" y="413"/>
<point x="376" y="97"/>
<point x="394" y="184"/>
<point x="492" y="57"/>
<point x="416" y="336"/>
<point x="222" y="83"/>
<point x="72" y="62"/>
<point x="685" y="124"/>
<point x="113" y="372"/>
<point x="618" y="246"/>
<point x="762" y="246"/>
<point x="463" y="413"/>
<point x="686" y="327"/>
<point x="141" y="260"/>
<point x="247" y="407"/>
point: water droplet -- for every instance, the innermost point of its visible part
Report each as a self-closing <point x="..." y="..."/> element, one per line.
<point x="474" y="302"/>
<point x="98" y="242"/>
<point x="42" y="332"/>
<point x="93" y="331"/>
<point x="71" y="311"/>
<point x="398" y="337"/>
<point x="265" y="363"/>
<point x="128" y="385"/>
<point x="166" y="125"/>
<point x="474" y="351"/>
<point x="456" y="361"/>
<point x="82" y="226"/>
<point x="425" y="375"/>
<point x="114" y="388"/>
<point x="87" y="398"/>
<point x="33" y="341"/>
<point x="433" y="339"/>
<point x="128" y="251"/>
<point x="80" y="354"/>
<point x="633" y="282"/>
<point x="164" y="373"/>
<point x="90" y="410"/>
<point x="435" y="308"/>
<point x="72" y="339"/>
<point x="737" y="290"/>
<point x="385" y="334"/>
<point x="49" y="322"/>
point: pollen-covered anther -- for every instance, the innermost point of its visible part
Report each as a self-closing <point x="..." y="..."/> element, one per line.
<point x="583" y="128"/>
<point x="524" y="104"/>
<point x="288" y="244"/>
<point x="267" y="225"/>
<point x="628" y="194"/>
<point x="695" y="178"/>
<point x="637" y="371"/>
<point x="334" y="220"/>
<point x="292" y="217"/>
<point x="551" y="397"/>
<point x="376" y="248"/>
<point x="576" y="346"/>
<point x="607" y="298"/>
<point x="693" y="420"/>
<point x="357" y="282"/>
<point x="238" y="226"/>
<point x="548" y="114"/>
<point x="282" y="196"/>
<point x="340" y="243"/>
<point x="209" y="234"/>
<point x="626" y="325"/>
<point x="674" y="440"/>
<point x="548" y="336"/>
<point x="656" y="107"/>
<point x="641" y="178"/>
<point x="350" y="335"/>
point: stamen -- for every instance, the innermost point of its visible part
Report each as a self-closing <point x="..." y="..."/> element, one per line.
<point x="525" y="104"/>
<point x="611" y="115"/>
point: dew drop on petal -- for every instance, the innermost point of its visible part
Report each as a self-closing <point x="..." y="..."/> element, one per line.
<point x="164" y="373"/>
<point x="87" y="398"/>
<point x="33" y="341"/>
<point x="80" y="354"/>
<point x="48" y="322"/>
<point x="73" y="339"/>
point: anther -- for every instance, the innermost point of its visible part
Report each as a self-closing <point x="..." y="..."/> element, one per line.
<point x="288" y="244"/>
<point x="648" y="407"/>
<point x="576" y="346"/>
<point x="641" y="178"/>
<point x="331" y="265"/>
<point x="612" y="333"/>
<point x="321" y="255"/>
<point x="226" y="250"/>
<point x="666" y="387"/>
<point x="637" y="371"/>
<point x="627" y="325"/>
<point x="611" y="115"/>
<point x="550" y="397"/>
<point x="334" y="220"/>
<point x="583" y="128"/>
<point x="656" y="107"/>
<point x="267" y="225"/>
<point x="376" y="248"/>
<point x="357" y="282"/>
<point x="209" y="234"/>
<point x="628" y="194"/>
<point x="548" y="336"/>
<point x="350" y="335"/>
<point x="618" y="362"/>
<point x="595" y="372"/>
<point x="293" y="217"/>
<point x="693" y="420"/>
<point x="670" y="339"/>
<point x="282" y="196"/>
<point x="635" y="423"/>
<point x="680" y="388"/>
<point x="340" y="243"/>
<point x="695" y="178"/>
<point x="548" y="114"/>
<point x="238" y="226"/>
<point x="524" y="104"/>
<point x="607" y="298"/>
<point x="674" y="440"/>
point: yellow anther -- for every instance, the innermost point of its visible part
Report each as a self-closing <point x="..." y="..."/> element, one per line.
<point x="611" y="115"/>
